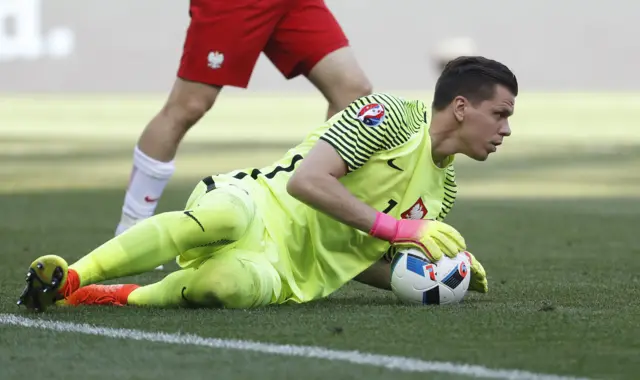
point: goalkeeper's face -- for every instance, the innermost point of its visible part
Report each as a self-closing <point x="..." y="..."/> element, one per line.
<point x="486" y="124"/>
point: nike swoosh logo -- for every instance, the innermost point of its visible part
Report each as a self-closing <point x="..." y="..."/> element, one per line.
<point x="190" y="215"/>
<point x="148" y="199"/>
<point x="189" y="303"/>
<point x="391" y="164"/>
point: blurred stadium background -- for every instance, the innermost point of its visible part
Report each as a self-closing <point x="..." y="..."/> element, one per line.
<point x="83" y="77"/>
<point x="80" y="79"/>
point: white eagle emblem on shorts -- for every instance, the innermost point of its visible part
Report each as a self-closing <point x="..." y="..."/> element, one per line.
<point x="215" y="59"/>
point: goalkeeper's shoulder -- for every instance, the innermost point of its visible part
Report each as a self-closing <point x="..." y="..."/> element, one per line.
<point x="385" y="98"/>
<point x="384" y="110"/>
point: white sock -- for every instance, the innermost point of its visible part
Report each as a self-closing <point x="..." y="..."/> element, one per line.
<point x="149" y="177"/>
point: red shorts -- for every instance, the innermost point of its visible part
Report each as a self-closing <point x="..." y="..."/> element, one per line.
<point x="225" y="38"/>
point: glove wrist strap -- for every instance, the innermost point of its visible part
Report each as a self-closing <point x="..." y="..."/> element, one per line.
<point x="385" y="227"/>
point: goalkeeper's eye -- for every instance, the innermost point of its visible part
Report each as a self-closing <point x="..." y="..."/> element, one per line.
<point x="502" y="114"/>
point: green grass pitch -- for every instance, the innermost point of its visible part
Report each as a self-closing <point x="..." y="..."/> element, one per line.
<point x="553" y="216"/>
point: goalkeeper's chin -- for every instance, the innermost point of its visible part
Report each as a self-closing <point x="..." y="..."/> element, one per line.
<point x="480" y="155"/>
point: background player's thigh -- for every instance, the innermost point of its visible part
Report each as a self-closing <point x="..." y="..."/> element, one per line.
<point x="225" y="38"/>
<point x="340" y="79"/>
<point x="309" y="41"/>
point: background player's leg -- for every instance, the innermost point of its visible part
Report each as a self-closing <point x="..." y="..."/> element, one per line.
<point x="153" y="156"/>
<point x="340" y="79"/>
<point x="218" y="218"/>
<point x="222" y="45"/>
<point x="309" y="41"/>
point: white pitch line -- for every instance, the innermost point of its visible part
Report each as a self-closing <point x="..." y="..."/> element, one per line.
<point x="397" y="363"/>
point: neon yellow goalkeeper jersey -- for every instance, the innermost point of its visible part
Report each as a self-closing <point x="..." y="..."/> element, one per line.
<point x="384" y="141"/>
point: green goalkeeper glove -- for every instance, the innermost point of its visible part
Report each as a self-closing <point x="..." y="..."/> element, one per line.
<point x="478" y="282"/>
<point x="434" y="238"/>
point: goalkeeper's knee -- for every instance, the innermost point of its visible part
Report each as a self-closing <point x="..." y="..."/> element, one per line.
<point x="228" y="211"/>
<point x="218" y="218"/>
<point x="232" y="283"/>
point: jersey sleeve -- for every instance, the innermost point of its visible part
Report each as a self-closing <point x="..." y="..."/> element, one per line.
<point x="372" y="124"/>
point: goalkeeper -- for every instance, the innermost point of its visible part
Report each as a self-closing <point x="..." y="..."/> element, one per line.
<point x="377" y="176"/>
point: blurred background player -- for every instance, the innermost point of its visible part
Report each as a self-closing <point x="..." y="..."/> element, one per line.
<point x="223" y="42"/>
<point x="452" y="48"/>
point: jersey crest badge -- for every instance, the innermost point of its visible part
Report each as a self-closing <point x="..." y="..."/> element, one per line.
<point x="372" y="114"/>
<point x="415" y="212"/>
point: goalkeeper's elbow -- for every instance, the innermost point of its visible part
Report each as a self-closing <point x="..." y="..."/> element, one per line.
<point x="298" y="186"/>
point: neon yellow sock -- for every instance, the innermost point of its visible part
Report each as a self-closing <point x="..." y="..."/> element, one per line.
<point x="166" y="293"/>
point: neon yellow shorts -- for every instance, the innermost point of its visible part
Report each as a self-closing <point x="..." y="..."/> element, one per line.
<point x="247" y="266"/>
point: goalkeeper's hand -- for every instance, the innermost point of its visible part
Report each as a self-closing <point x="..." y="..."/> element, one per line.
<point x="478" y="282"/>
<point x="434" y="238"/>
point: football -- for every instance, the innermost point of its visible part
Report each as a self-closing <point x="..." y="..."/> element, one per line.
<point x="415" y="279"/>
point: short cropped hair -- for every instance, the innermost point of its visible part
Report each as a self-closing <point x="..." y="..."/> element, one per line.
<point x="473" y="77"/>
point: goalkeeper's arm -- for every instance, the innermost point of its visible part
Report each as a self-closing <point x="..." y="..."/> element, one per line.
<point x="316" y="183"/>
